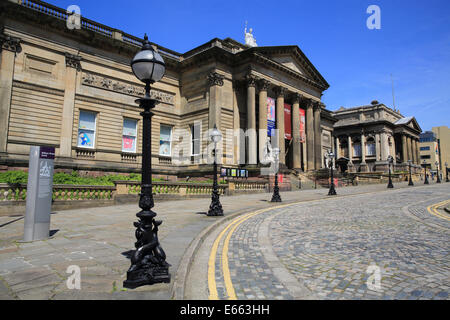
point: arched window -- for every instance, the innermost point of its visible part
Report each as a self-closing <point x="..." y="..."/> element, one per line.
<point x="370" y="147"/>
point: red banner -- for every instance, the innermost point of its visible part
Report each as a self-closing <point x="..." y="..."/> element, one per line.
<point x="287" y="121"/>
<point x="302" y="126"/>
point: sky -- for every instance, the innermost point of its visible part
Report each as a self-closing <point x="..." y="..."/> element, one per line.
<point x="412" y="44"/>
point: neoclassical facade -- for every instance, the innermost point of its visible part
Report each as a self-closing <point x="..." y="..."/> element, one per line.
<point x="73" y="89"/>
<point x="367" y="135"/>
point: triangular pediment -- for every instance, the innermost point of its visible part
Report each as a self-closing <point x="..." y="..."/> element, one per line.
<point x="294" y="59"/>
<point x="409" y="122"/>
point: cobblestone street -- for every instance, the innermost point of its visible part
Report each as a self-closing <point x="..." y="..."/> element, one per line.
<point x="323" y="249"/>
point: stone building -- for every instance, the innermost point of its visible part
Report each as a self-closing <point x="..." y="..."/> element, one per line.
<point x="367" y="135"/>
<point x="73" y="89"/>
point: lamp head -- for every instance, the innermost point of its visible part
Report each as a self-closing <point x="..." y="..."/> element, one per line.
<point x="215" y="135"/>
<point x="148" y="65"/>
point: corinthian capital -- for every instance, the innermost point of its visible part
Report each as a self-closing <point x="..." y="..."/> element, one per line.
<point x="263" y="84"/>
<point x="280" y="91"/>
<point x="73" y="61"/>
<point x="10" y="43"/>
<point x="251" y="80"/>
<point x="215" y="79"/>
<point x="296" y="97"/>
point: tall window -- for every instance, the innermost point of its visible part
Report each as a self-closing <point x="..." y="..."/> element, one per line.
<point x="86" y="129"/>
<point x="195" y="138"/>
<point x="165" y="140"/>
<point x="370" y="146"/>
<point x="129" y="134"/>
<point x="357" y="149"/>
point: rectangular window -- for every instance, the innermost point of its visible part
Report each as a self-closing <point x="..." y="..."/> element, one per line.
<point x="165" y="140"/>
<point x="195" y="138"/>
<point x="427" y="156"/>
<point x="357" y="150"/>
<point x="424" y="148"/>
<point x="86" y="129"/>
<point x="371" y="150"/>
<point x="129" y="135"/>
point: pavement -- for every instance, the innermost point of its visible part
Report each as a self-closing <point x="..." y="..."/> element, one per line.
<point x="97" y="240"/>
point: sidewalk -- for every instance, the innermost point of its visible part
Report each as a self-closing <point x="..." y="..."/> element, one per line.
<point x="95" y="239"/>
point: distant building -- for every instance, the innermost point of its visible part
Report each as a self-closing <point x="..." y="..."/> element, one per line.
<point x="429" y="150"/>
<point x="436" y="147"/>
<point x="367" y="135"/>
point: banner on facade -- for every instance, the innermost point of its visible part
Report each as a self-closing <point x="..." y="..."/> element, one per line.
<point x="270" y="116"/>
<point x="287" y="121"/>
<point x="302" y="126"/>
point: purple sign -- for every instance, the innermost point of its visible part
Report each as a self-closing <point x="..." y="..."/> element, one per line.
<point x="47" y="153"/>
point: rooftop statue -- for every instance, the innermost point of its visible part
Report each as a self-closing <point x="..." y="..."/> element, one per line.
<point x="249" y="39"/>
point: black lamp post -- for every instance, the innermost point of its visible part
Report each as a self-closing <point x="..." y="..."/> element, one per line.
<point x="426" y="176"/>
<point x="411" y="183"/>
<point x="148" y="261"/>
<point x="438" y="179"/>
<point x="446" y="172"/>
<point x="276" y="191"/>
<point x="390" y="160"/>
<point x="215" y="208"/>
<point x="332" y="191"/>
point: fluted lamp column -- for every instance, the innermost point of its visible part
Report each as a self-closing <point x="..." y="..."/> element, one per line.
<point x="148" y="261"/>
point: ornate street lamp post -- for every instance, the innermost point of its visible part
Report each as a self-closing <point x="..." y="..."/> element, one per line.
<point x="276" y="191"/>
<point x="446" y="172"/>
<point x="438" y="179"/>
<point x="332" y="191"/>
<point x="411" y="183"/>
<point x="215" y="208"/>
<point x="390" y="160"/>
<point x="148" y="261"/>
<point x="426" y="176"/>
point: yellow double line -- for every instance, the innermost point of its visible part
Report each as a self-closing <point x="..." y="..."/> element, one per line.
<point x="212" y="286"/>
<point x="433" y="210"/>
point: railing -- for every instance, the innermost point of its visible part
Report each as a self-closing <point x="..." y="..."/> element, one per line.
<point x="250" y="185"/>
<point x="174" y="188"/>
<point x="88" y="24"/>
<point x="18" y="192"/>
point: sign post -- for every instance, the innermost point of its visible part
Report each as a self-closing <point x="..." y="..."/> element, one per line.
<point x="39" y="193"/>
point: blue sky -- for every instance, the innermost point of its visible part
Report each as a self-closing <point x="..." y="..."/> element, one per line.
<point x="413" y="43"/>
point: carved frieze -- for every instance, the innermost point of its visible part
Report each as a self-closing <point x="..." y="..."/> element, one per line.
<point x="123" y="87"/>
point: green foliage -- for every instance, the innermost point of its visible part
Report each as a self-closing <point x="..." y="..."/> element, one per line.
<point x="13" y="177"/>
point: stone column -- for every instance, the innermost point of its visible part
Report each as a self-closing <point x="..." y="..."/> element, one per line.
<point x="309" y="135"/>
<point x="296" y="130"/>
<point x="338" y="148"/>
<point x="215" y="82"/>
<point x="404" y="149"/>
<point x="377" y="147"/>
<point x="262" y="134"/>
<point x="280" y="92"/>
<point x="417" y="152"/>
<point x="350" y="149"/>
<point x="9" y="46"/>
<point x="317" y="137"/>
<point x="72" y="66"/>
<point x="251" y="119"/>
<point x="414" y="151"/>
<point x="384" y="147"/>
<point x="363" y="164"/>
<point x="409" y="146"/>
